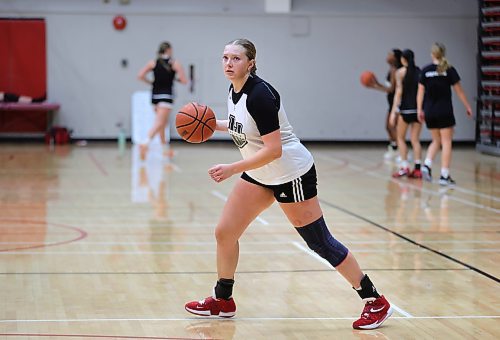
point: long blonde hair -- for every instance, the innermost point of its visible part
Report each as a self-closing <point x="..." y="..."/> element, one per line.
<point x="438" y="51"/>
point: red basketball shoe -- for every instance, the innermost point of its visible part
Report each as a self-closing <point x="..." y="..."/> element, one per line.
<point x="415" y="174"/>
<point x="374" y="314"/>
<point x="211" y="306"/>
<point x="401" y="173"/>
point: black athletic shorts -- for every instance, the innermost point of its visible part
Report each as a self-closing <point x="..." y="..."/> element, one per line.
<point x="166" y="101"/>
<point x="297" y="190"/>
<point x="410" y="118"/>
<point x="439" y="121"/>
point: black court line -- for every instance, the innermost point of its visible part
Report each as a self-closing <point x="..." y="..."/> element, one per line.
<point x="237" y="272"/>
<point x="437" y="252"/>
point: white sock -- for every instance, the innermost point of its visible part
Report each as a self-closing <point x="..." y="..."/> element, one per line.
<point x="445" y="172"/>
<point x="404" y="164"/>
<point x="428" y="162"/>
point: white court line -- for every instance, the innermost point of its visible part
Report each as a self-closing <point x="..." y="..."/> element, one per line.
<point x="245" y="319"/>
<point x="243" y="242"/>
<point x="138" y="252"/>
<point x="224" y="198"/>
<point x="253" y="252"/>
<point x="322" y="260"/>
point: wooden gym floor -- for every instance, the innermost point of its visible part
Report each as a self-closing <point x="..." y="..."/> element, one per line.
<point x="96" y="244"/>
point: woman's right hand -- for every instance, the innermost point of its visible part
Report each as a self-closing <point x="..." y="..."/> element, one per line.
<point x="421" y="116"/>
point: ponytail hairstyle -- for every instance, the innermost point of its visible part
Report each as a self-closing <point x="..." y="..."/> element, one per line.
<point x="162" y="49"/>
<point x="438" y="51"/>
<point x="412" y="70"/>
<point x="397" y="55"/>
<point x="250" y="52"/>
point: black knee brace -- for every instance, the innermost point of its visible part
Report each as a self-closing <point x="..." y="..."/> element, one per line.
<point x="319" y="239"/>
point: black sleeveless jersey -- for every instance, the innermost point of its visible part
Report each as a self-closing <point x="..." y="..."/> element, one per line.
<point x="164" y="76"/>
<point x="408" y="103"/>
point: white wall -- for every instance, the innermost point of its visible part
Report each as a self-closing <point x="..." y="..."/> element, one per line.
<point x="313" y="56"/>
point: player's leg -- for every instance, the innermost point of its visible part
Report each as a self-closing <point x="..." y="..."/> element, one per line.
<point x="246" y="201"/>
<point x="308" y="220"/>
<point x="415" y="129"/>
<point x="432" y="150"/>
<point x="404" y="166"/>
<point x="298" y="200"/>
<point x="391" y="133"/>
<point x="446" y="142"/>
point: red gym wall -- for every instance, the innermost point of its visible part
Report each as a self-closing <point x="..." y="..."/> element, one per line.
<point x="23" y="70"/>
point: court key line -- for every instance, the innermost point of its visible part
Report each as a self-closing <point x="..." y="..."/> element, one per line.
<point x="224" y="198"/>
<point x="325" y="262"/>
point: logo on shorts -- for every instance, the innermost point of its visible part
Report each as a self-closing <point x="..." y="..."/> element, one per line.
<point x="283" y="195"/>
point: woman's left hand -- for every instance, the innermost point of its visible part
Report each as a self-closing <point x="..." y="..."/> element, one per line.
<point x="220" y="172"/>
<point x="468" y="112"/>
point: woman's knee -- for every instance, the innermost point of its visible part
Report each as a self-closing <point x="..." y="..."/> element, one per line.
<point x="223" y="235"/>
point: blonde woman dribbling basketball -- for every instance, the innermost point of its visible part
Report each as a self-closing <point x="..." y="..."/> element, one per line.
<point x="275" y="167"/>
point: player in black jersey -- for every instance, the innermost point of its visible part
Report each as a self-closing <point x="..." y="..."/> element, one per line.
<point x="394" y="61"/>
<point x="275" y="167"/>
<point x="165" y="70"/>
<point x="405" y="104"/>
<point x="435" y="106"/>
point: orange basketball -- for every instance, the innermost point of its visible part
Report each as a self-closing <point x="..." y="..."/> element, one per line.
<point x="195" y="122"/>
<point x="367" y="78"/>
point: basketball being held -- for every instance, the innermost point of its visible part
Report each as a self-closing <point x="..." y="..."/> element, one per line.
<point x="195" y="123"/>
<point x="368" y="78"/>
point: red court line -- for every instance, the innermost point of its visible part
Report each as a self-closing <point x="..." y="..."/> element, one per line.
<point x="98" y="164"/>
<point x="95" y="336"/>
<point x="82" y="234"/>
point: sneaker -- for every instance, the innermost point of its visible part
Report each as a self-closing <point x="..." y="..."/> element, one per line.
<point x="401" y="173"/>
<point x="390" y="153"/>
<point x="212" y="306"/>
<point x="417" y="173"/>
<point x="446" y="181"/>
<point x="374" y="314"/>
<point x="426" y="173"/>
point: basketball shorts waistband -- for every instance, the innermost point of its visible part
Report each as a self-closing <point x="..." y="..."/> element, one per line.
<point x="297" y="190"/>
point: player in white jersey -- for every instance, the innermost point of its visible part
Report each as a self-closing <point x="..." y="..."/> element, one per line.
<point x="275" y="167"/>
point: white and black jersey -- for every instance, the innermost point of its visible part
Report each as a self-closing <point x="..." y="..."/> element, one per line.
<point x="256" y="111"/>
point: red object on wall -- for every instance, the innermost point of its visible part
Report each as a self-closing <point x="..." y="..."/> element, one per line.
<point x="23" y="71"/>
<point x="23" y="61"/>
<point x="119" y="22"/>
